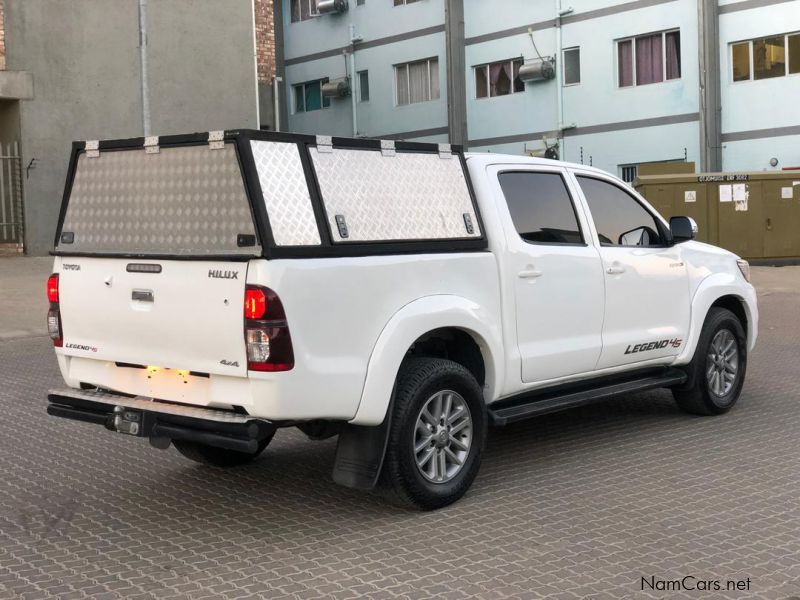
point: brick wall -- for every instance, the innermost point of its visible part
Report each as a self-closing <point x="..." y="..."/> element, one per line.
<point x="265" y="40"/>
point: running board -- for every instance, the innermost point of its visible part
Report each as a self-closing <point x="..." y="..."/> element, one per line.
<point x="542" y="402"/>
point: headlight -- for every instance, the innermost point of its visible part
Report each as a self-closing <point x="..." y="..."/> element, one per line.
<point x="744" y="267"/>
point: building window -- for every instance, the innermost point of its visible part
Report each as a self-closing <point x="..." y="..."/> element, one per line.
<point x="363" y="86"/>
<point x="417" y="81"/>
<point x="308" y="96"/>
<point x="403" y="2"/>
<point x="302" y="10"/>
<point x="765" y="58"/>
<point x="572" y="66"/>
<point x="498" y="79"/>
<point x="628" y="172"/>
<point x="651" y="58"/>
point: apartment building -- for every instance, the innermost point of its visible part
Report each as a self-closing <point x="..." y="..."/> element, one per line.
<point x="610" y="83"/>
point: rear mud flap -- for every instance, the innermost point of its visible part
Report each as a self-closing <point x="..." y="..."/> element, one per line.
<point x="359" y="454"/>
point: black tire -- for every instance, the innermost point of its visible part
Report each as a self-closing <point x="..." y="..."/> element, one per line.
<point x="418" y="381"/>
<point x="218" y="457"/>
<point x="697" y="396"/>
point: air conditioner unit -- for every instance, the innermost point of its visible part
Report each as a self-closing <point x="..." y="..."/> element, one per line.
<point x="337" y="88"/>
<point x="538" y="69"/>
<point x="327" y="7"/>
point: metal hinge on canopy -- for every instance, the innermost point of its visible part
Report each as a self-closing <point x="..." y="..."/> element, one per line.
<point x="324" y="144"/>
<point x="445" y="151"/>
<point x="216" y="140"/>
<point x="387" y="148"/>
<point x="92" y="148"/>
<point x="151" y="144"/>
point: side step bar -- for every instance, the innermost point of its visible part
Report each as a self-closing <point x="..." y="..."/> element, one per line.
<point x="542" y="402"/>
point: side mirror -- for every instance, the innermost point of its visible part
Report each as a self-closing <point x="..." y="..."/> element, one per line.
<point x="682" y="229"/>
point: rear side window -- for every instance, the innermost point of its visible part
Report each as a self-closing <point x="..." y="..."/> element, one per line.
<point x="541" y="207"/>
<point x="619" y="218"/>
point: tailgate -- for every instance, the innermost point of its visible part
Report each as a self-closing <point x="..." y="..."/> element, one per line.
<point x="187" y="316"/>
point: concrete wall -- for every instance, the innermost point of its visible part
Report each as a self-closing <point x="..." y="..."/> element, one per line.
<point x="597" y="101"/>
<point x="374" y="20"/>
<point x="758" y="116"/>
<point x="84" y="58"/>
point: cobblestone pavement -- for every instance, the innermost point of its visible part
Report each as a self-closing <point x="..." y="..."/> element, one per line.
<point x="577" y="505"/>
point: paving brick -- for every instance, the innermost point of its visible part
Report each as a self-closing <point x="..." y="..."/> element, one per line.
<point x="575" y="505"/>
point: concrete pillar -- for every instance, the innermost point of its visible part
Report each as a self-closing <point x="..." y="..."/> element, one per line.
<point x="456" y="72"/>
<point x="710" y="102"/>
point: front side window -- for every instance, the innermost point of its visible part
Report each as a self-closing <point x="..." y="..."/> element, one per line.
<point x="541" y="207"/>
<point x="649" y="59"/>
<point x="498" y="79"/>
<point x="572" y="66"/>
<point x="302" y="10"/>
<point x="308" y="96"/>
<point x="619" y="218"/>
<point x="403" y="2"/>
<point x="417" y="81"/>
<point x="766" y="58"/>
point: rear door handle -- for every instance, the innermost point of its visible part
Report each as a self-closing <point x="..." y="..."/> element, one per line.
<point x="529" y="274"/>
<point x="615" y="270"/>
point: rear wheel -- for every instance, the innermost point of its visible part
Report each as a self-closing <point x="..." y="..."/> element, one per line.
<point x="218" y="457"/>
<point x="716" y="373"/>
<point x="437" y="434"/>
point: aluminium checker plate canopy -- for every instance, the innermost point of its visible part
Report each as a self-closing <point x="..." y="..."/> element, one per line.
<point x="252" y="193"/>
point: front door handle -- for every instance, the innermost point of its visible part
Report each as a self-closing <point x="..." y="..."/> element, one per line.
<point x="529" y="274"/>
<point x="615" y="269"/>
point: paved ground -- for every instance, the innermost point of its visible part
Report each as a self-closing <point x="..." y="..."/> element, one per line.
<point x="577" y="505"/>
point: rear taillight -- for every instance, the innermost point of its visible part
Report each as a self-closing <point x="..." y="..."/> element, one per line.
<point x="269" y="345"/>
<point x="52" y="288"/>
<point x="54" y="313"/>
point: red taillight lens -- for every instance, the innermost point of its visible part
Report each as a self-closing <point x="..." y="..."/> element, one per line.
<point x="54" y="314"/>
<point x="269" y="345"/>
<point x="255" y="303"/>
<point x="52" y="288"/>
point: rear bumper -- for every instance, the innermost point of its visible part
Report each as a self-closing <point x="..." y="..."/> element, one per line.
<point x="160" y="421"/>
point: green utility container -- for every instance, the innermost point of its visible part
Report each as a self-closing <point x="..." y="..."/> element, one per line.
<point x="755" y="215"/>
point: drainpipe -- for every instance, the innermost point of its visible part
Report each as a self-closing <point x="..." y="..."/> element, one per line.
<point x="559" y="56"/>
<point x="353" y="100"/>
<point x="143" y="66"/>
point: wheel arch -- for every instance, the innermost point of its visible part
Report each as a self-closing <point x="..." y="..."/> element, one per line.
<point x="724" y="291"/>
<point x="431" y="326"/>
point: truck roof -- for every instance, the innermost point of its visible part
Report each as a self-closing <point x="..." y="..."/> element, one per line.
<point x="490" y="158"/>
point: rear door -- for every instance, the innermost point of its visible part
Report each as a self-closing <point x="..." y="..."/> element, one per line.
<point x="555" y="272"/>
<point x="646" y="280"/>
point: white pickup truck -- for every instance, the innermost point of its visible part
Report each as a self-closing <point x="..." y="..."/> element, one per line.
<point x="211" y="288"/>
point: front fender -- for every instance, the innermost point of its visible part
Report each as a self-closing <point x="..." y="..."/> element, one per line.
<point x="709" y="291"/>
<point x="405" y="327"/>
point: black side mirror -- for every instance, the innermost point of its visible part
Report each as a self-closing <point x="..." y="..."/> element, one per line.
<point x="682" y="229"/>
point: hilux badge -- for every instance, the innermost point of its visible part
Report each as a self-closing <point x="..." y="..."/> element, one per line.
<point x="220" y="274"/>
